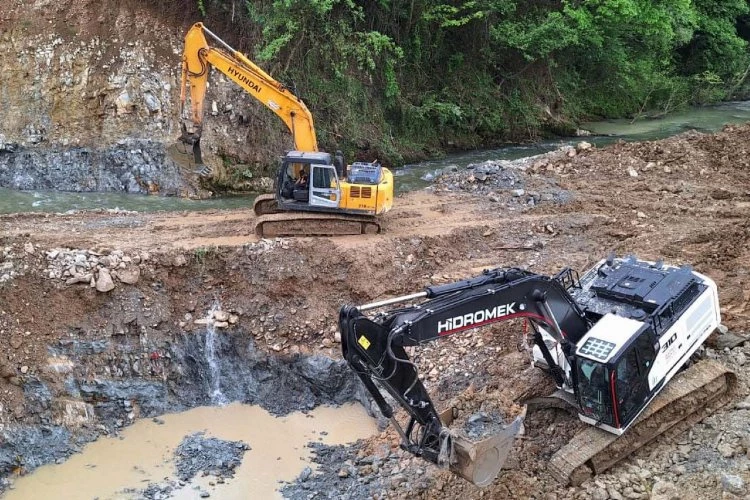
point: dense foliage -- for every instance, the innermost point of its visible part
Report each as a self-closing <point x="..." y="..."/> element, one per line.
<point x="411" y="76"/>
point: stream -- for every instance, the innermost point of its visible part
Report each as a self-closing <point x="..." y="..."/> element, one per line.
<point x="408" y="177"/>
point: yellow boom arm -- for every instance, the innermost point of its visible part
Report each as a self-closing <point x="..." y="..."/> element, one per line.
<point x="256" y="82"/>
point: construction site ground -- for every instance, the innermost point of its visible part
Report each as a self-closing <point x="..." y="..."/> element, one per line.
<point x="685" y="200"/>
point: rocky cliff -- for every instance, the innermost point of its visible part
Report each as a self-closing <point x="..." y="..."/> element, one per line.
<point x="100" y="74"/>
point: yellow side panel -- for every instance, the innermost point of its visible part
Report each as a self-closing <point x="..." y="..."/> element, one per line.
<point x="355" y="197"/>
<point x="385" y="192"/>
<point x="370" y="198"/>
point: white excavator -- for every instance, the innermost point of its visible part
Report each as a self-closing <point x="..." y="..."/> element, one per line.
<point x="616" y="341"/>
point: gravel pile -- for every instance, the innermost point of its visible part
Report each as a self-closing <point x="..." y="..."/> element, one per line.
<point x="210" y="456"/>
<point x="505" y="181"/>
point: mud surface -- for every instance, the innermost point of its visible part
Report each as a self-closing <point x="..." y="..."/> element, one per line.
<point x="82" y="361"/>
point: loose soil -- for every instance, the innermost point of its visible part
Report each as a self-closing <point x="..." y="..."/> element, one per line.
<point x="685" y="199"/>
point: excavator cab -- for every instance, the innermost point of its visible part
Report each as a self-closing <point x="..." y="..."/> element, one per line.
<point x="308" y="180"/>
<point x="613" y="381"/>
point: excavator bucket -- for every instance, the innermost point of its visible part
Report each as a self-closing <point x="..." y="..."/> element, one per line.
<point x="479" y="462"/>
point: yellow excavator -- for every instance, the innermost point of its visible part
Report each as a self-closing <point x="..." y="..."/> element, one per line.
<point x="313" y="195"/>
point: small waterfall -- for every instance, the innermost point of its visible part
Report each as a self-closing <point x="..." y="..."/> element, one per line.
<point x="217" y="397"/>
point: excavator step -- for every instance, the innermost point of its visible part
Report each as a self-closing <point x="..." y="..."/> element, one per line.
<point x="314" y="224"/>
<point x="689" y="397"/>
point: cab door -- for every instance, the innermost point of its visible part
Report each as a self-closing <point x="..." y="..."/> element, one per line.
<point x="632" y="387"/>
<point x="325" y="190"/>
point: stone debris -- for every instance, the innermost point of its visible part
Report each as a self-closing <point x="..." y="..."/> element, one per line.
<point x="104" y="282"/>
<point x="103" y="269"/>
<point x="198" y="453"/>
<point x="507" y="182"/>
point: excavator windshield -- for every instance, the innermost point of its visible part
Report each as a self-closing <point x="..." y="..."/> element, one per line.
<point x="594" y="391"/>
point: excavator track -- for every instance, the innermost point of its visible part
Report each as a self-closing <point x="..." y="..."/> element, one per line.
<point x="689" y="397"/>
<point x="265" y="204"/>
<point x="314" y="224"/>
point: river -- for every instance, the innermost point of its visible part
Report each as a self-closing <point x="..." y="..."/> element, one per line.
<point x="409" y="177"/>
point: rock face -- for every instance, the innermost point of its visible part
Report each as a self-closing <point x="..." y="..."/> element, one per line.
<point x="140" y="167"/>
<point x="80" y="76"/>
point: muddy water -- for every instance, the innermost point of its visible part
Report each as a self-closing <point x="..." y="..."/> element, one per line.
<point x="144" y="453"/>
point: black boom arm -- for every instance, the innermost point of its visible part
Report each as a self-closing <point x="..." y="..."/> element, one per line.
<point x="375" y="347"/>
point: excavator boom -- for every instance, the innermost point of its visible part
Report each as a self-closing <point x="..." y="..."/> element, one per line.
<point x="197" y="57"/>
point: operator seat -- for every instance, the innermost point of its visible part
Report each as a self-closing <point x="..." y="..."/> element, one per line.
<point x="301" y="194"/>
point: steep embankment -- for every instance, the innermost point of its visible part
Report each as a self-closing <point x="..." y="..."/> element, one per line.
<point x="90" y="101"/>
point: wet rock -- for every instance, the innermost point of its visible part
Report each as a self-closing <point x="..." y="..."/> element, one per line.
<point x="30" y="447"/>
<point x="107" y="396"/>
<point x="104" y="282"/>
<point x="330" y="472"/>
<point x="305" y="474"/>
<point x="197" y="453"/>
<point x="482" y="424"/>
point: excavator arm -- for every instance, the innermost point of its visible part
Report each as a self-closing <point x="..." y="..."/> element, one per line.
<point x="375" y="348"/>
<point x="197" y="58"/>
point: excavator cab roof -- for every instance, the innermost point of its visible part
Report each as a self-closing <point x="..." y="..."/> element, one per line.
<point x="318" y="157"/>
<point x="608" y="337"/>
